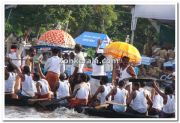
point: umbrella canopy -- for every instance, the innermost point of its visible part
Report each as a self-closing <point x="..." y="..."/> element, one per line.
<point x="120" y="49"/>
<point x="56" y="38"/>
<point x="90" y="39"/>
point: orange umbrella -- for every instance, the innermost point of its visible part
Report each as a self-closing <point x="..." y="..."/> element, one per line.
<point x="120" y="49"/>
<point x="57" y="38"/>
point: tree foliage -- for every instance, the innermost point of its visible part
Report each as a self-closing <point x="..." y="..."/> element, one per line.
<point x="114" y="20"/>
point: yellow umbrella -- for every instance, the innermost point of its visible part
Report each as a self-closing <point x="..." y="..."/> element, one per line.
<point x="120" y="49"/>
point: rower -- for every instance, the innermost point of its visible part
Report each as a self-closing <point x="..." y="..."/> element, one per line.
<point x="157" y="101"/>
<point x="42" y="86"/>
<point x="138" y="100"/>
<point x="120" y="95"/>
<point x="142" y="88"/>
<point x="28" y="88"/>
<point x="103" y="90"/>
<point x="168" y="110"/>
<point x="10" y="79"/>
<point x="80" y="95"/>
<point x="63" y="89"/>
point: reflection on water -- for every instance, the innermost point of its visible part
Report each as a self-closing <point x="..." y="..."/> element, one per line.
<point x="27" y="112"/>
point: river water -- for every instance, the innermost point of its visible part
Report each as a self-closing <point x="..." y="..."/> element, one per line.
<point x="29" y="112"/>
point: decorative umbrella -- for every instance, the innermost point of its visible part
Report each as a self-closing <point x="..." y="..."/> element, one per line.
<point x="120" y="49"/>
<point x="57" y="38"/>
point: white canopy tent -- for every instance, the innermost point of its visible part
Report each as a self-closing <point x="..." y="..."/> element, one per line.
<point x="160" y="12"/>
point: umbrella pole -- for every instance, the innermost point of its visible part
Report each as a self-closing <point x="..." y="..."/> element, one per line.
<point x="114" y="73"/>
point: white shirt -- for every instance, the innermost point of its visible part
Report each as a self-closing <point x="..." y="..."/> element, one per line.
<point x="28" y="86"/>
<point x="10" y="82"/>
<point x="157" y="102"/>
<point x="62" y="66"/>
<point x="139" y="104"/>
<point x="83" y="92"/>
<point x="16" y="56"/>
<point x="124" y="74"/>
<point x="15" y="59"/>
<point x="63" y="89"/>
<point x="79" y="62"/>
<point x="120" y="96"/>
<point x="45" y="87"/>
<point x="169" y="107"/>
<point x="107" y="89"/>
<point x="53" y="64"/>
<point x="97" y="70"/>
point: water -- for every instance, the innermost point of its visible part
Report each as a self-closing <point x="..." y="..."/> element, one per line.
<point x="29" y="112"/>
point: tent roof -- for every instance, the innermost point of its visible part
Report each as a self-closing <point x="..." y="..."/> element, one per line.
<point x="161" y="12"/>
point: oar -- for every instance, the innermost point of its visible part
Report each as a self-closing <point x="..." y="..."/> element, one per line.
<point x="35" y="100"/>
<point x="101" y="106"/>
<point x="32" y="101"/>
<point x="114" y="103"/>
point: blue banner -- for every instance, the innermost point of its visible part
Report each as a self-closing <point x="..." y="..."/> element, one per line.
<point x="90" y="39"/>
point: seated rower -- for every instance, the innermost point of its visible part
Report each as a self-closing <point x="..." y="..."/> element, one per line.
<point x="63" y="89"/>
<point x="28" y="88"/>
<point x="138" y="100"/>
<point x="10" y="79"/>
<point x="142" y="88"/>
<point x="157" y="101"/>
<point x="42" y="86"/>
<point x="81" y="94"/>
<point x="103" y="90"/>
<point x="120" y="95"/>
<point x="168" y="110"/>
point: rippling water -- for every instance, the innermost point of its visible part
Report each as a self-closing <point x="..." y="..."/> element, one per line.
<point x="27" y="112"/>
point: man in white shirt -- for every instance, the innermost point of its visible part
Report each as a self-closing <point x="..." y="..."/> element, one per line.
<point x="79" y="62"/>
<point x="53" y="69"/>
<point x="15" y="55"/>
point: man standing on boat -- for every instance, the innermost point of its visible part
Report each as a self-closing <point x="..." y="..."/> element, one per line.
<point x="53" y="69"/>
<point x="124" y="71"/>
<point x="79" y="61"/>
<point x="98" y="69"/>
<point x="29" y="59"/>
<point x="15" y="55"/>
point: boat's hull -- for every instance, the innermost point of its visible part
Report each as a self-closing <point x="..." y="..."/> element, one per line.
<point x="87" y="110"/>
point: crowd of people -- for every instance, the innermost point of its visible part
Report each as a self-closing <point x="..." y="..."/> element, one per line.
<point x="31" y="80"/>
<point x="161" y="55"/>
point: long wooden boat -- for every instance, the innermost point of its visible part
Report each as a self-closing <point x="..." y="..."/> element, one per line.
<point x="112" y="114"/>
<point x="86" y="110"/>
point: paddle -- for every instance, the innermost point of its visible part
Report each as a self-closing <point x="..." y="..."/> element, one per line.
<point x="35" y="100"/>
<point x="32" y="101"/>
<point x="114" y="103"/>
<point x="101" y="106"/>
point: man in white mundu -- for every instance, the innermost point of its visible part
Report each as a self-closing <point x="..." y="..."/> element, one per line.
<point x="124" y="71"/>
